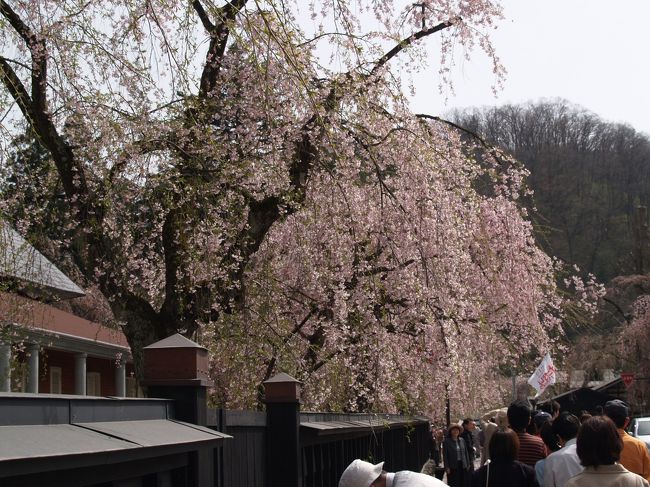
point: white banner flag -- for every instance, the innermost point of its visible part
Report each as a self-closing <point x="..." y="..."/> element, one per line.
<point x="544" y="375"/>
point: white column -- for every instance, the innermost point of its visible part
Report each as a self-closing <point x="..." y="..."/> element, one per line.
<point x="120" y="379"/>
<point x="80" y="374"/>
<point x="32" y="367"/>
<point x="5" y="367"/>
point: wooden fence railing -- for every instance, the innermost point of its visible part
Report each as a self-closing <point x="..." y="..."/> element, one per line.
<point x="328" y="442"/>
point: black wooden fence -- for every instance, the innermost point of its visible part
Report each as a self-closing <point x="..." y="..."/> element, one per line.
<point x="243" y="461"/>
<point x="328" y="443"/>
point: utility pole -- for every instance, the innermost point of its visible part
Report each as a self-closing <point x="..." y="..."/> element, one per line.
<point x="641" y="239"/>
<point x="447" y="405"/>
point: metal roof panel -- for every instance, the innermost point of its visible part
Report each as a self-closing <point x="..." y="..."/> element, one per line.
<point x="62" y="440"/>
<point x="154" y="432"/>
<point x="37" y="441"/>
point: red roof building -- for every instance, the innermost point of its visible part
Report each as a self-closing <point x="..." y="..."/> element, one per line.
<point x="48" y="350"/>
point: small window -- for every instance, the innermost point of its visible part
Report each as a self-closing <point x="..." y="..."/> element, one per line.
<point x="55" y="380"/>
<point x="93" y="384"/>
<point x="644" y="428"/>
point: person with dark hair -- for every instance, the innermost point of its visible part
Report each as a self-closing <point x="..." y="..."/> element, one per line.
<point x="635" y="455"/>
<point x="563" y="464"/>
<point x="549" y="438"/>
<point x="456" y="457"/>
<point x="503" y="469"/>
<point x="469" y="427"/>
<point x="551" y="443"/>
<point x="531" y="448"/>
<point x="531" y="429"/>
<point x="540" y="418"/>
<point x="599" y="448"/>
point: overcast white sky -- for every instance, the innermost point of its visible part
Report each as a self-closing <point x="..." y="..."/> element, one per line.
<point x="594" y="53"/>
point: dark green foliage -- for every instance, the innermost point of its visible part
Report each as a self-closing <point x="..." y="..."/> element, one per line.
<point x="31" y="192"/>
<point x="589" y="177"/>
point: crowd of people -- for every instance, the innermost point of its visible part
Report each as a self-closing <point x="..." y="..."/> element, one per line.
<point x="522" y="447"/>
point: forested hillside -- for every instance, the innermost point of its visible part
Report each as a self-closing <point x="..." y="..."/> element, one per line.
<point x="590" y="177"/>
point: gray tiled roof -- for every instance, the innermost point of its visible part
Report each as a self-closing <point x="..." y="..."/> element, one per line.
<point x="19" y="260"/>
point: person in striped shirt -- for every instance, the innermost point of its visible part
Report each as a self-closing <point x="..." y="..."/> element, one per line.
<point x="531" y="448"/>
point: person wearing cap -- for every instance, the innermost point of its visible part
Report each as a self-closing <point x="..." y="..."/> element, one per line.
<point x="634" y="456"/>
<point x="551" y="407"/>
<point x="563" y="464"/>
<point x="365" y="474"/>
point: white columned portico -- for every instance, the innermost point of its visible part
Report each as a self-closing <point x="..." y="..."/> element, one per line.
<point x="33" y="350"/>
<point x="120" y="379"/>
<point x="5" y="367"/>
<point x="80" y="374"/>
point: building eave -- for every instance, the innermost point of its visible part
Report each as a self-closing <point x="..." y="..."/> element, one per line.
<point x="71" y="343"/>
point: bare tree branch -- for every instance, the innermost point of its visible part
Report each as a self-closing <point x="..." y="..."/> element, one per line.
<point x="17" y="23"/>
<point x="404" y="43"/>
<point x="16" y="89"/>
<point x="495" y="152"/>
<point x="203" y="15"/>
<point x="627" y="317"/>
<point x="219" y="33"/>
<point x="36" y="46"/>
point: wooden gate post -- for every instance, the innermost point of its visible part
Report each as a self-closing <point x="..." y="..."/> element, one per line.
<point x="177" y="368"/>
<point x="282" y="398"/>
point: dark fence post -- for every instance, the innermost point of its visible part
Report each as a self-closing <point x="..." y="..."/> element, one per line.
<point x="177" y="368"/>
<point x="282" y="398"/>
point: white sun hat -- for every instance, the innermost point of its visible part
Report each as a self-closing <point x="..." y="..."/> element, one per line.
<point x="360" y="474"/>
